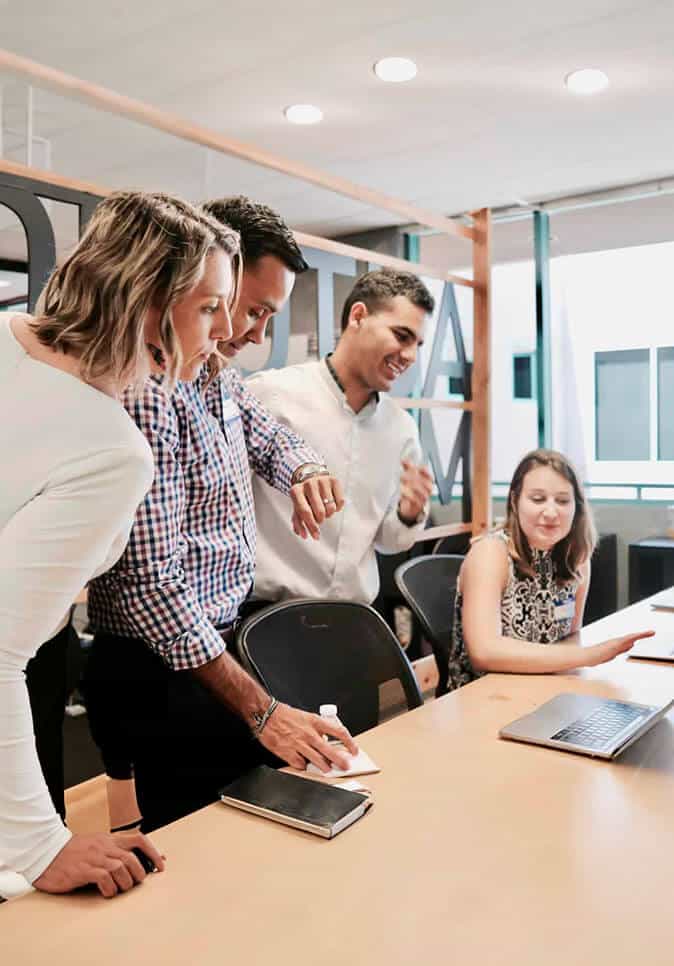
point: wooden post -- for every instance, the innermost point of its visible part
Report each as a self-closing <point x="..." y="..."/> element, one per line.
<point x="481" y="442"/>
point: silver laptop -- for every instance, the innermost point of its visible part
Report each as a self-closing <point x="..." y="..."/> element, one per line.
<point x="658" y="648"/>
<point x="664" y="600"/>
<point x="585" y="724"/>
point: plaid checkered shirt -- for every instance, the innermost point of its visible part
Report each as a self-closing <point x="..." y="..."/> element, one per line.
<point x="190" y="560"/>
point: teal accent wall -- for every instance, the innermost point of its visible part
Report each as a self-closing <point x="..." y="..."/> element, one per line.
<point x="543" y="360"/>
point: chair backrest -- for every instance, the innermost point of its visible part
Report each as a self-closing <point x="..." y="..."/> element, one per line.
<point x="458" y="543"/>
<point x="313" y="652"/>
<point x="428" y="585"/>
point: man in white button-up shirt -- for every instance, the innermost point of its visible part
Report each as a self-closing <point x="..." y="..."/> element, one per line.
<point x="369" y="442"/>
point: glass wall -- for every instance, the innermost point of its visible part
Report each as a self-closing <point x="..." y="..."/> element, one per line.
<point x="613" y="364"/>
<point x="514" y="428"/>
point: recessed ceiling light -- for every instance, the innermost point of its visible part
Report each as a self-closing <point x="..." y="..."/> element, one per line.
<point x="303" y="114"/>
<point x="586" y="81"/>
<point x="4" y="284"/>
<point x="395" y="69"/>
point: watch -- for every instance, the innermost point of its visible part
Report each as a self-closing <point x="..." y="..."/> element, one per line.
<point x="307" y="470"/>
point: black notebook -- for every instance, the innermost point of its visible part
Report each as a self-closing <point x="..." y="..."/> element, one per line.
<point x="305" y="804"/>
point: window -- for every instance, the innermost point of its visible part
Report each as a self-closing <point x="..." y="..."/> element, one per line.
<point x="523" y="377"/>
<point x="622" y="401"/>
<point x="666" y="403"/>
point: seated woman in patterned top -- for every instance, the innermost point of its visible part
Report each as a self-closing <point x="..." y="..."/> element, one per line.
<point x="524" y="587"/>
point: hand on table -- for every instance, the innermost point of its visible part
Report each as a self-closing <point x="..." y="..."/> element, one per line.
<point x="298" y="737"/>
<point x="103" y="860"/>
<point x="314" y="501"/>
<point x="607" y="650"/>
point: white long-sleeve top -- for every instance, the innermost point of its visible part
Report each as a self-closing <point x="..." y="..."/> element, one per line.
<point x="74" y="469"/>
<point x="364" y="451"/>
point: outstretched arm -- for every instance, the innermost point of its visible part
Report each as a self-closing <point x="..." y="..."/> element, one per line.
<point x="483" y="579"/>
<point x="295" y="736"/>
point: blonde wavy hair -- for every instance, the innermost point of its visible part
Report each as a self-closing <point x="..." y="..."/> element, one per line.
<point x="139" y="251"/>
<point x="578" y="545"/>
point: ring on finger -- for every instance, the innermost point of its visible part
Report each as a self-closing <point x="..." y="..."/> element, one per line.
<point x="329" y="502"/>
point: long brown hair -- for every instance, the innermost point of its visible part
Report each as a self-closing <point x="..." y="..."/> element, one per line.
<point x="578" y="545"/>
<point x="140" y="250"/>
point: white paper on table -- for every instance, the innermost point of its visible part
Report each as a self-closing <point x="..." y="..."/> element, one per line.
<point x="360" y="764"/>
<point x="12" y="884"/>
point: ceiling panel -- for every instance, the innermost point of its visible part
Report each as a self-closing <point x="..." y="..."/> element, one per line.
<point x="487" y="120"/>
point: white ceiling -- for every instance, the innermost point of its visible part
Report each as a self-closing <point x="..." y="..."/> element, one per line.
<point x="487" y="121"/>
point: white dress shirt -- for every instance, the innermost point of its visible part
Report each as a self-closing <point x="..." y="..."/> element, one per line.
<point x="74" y="470"/>
<point x="364" y="451"/>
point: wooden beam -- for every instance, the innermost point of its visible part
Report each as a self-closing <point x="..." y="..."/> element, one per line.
<point x="51" y="178"/>
<point x="426" y="403"/>
<point x="445" y="530"/>
<point x="363" y="254"/>
<point x="114" y="103"/>
<point x="311" y="241"/>
<point x="481" y="456"/>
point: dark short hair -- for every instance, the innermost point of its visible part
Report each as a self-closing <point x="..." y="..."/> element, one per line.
<point x="377" y="288"/>
<point x="262" y="231"/>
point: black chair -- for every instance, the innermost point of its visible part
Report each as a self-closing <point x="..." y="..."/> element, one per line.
<point x="457" y="543"/>
<point x="313" y="652"/>
<point x="428" y="585"/>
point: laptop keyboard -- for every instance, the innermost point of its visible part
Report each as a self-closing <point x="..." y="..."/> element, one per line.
<point x="600" y="726"/>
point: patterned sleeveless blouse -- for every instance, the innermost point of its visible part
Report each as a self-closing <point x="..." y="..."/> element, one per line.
<point x="538" y="609"/>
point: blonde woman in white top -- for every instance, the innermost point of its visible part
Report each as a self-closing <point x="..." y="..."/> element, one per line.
<point x="150" y="284"/>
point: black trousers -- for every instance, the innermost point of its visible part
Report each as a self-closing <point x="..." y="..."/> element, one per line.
<point x="47" y="682"/>
<point x="183" y="742"/>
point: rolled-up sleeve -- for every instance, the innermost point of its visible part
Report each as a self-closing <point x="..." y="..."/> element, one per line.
<point x="274" y="450"/>
<point x="149" y="584"/>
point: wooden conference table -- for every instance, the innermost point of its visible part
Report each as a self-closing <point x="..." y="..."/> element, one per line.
<point x="477" y="851"/>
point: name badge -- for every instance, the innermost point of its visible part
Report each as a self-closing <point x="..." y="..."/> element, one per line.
<point x="565" y="611"/>
<point x="230" y="410"/>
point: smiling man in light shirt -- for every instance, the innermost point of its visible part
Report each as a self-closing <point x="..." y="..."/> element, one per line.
<point x="339" y="405"/>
